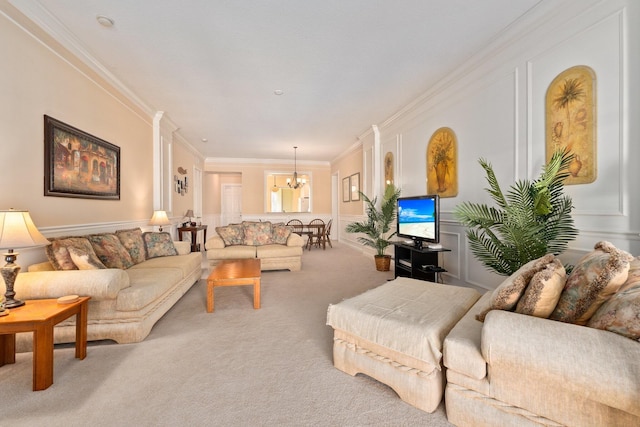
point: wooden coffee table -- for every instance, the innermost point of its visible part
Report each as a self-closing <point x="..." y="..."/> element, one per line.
<point x="39" y="317"/>
<point x="235" y="272"/>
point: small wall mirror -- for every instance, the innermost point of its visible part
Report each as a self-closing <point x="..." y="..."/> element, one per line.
<point x="282" y="196"/>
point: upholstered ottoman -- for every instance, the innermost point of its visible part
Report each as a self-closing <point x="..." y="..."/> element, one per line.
<point x="394" y="333"/>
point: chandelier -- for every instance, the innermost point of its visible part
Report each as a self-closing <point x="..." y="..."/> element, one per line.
<point x="296" y="182"/>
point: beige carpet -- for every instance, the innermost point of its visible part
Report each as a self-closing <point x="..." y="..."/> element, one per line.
<point x="234" y="367"/>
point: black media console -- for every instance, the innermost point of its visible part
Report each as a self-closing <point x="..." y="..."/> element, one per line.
<point x="417" y="262"/>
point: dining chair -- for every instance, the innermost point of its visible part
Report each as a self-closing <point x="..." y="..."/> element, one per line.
<point x="327" y="233"/>
<point x="297" y="226"/>
<point x="316" y="233"/>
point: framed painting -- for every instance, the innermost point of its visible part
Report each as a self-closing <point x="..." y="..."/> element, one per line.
<point x="570" y="121"/>
<point x="346" y="189"/>
<point x="78" y="164"/>
<point x="355" y="187"/>
<point x="388" y="168"/>
<point x="442" y="163"/>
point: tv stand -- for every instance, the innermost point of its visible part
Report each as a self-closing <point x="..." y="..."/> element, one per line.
<point x="418" y="261"/>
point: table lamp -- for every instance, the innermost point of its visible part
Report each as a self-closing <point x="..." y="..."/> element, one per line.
<point x="190" y="214"/>
<point x="159" y="218"/>
<point x="17" y="231"/>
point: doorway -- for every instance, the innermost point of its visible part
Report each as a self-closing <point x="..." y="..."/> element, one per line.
<point x="231" y="204"/>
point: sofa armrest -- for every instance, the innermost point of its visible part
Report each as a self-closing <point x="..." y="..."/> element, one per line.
<point x="599" y="365"/>
<point x="98" y="284"/>
<point x="183" y="248"/>
<point x="295" y="240"/>
<point x="214" y="242"/>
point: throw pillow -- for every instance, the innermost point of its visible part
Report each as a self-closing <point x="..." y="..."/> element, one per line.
<point x="633" y="278"/>
<point x="84" y="260"/>
<point x="620" y="313"/>
<point x="232" y="234"/>
<point x="58" y="251"/>
<point x="280" y="233"/>
<point x="596" y="277"/>
<point x="133" y="243"/>
<point x="257" y="233"/>
<point x="507" y="294"/>
<point x="159" y="244"/>
<point x="110" y="251"/>
<point x="543" y="292"/>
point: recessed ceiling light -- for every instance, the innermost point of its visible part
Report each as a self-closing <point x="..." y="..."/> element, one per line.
<point x="204" y="140"/>
<point x="105" y="21"/>
<point x="278" y="92"/>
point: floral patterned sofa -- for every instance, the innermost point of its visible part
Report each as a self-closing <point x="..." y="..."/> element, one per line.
<point x="133" y="279"/>
<point x="277" y="247"/>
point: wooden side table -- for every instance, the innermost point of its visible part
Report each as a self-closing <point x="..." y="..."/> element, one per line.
<point x="194" y="235"/>
<point x="39" y="317"/>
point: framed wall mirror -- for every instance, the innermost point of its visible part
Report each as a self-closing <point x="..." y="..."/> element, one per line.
<point x="282" y="196"/>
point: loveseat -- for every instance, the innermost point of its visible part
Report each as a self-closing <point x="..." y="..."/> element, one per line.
<point x="133" y="279"/>
<point x="277" y="247"/>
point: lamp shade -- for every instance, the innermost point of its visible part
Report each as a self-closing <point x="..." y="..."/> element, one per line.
<point x="159" y="218"/>
<point x="17" y="231"/>
<point x="189" y="213"/>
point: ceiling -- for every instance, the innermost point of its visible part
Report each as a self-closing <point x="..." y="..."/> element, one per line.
<point x="212" y="66"/>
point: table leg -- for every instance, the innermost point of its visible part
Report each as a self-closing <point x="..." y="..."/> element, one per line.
<point x="81" y="331"/>
<point x="42" y="356"/>
<point x="209" y="296"/>
<point x="256" y="293"/>
<point x="7" y="349"/>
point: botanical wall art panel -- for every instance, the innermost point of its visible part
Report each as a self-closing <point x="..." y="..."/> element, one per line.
<point x="442" y="163"/>
<point x="388" y="168"/>
<point x="570" y="121"/>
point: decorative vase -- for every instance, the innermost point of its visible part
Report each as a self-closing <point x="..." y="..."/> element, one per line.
<point x="383" y="262"/>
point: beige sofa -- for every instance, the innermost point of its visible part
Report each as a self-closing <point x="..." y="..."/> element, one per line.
<point x="522" y="370"/>
<point x="125" y="303"/>
<point x="274" y="244"/>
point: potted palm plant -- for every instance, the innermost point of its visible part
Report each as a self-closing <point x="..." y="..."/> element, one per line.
<point x="531" y="220"/>
<point x="378" y="225"/>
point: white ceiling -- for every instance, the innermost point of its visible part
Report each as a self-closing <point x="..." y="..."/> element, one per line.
<point x="212" y="65"/>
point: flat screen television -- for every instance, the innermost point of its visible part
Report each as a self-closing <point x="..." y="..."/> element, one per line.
<point x="418" y="219"/>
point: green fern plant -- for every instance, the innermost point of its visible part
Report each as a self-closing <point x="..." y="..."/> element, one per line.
<point x="532" y="219"/>
<point x="379" y="221"/>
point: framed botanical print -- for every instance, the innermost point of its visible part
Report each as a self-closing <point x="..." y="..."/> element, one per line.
<point x="346" y="189"/>
<point x="355" y="187"/>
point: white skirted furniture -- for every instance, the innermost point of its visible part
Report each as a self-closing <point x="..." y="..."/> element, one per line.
<point x="394" y="333"/>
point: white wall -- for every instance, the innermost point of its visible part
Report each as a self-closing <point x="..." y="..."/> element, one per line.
<point x="495" y="105"/>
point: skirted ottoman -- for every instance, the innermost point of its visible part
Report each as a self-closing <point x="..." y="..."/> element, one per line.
<point x="394" y="333"/>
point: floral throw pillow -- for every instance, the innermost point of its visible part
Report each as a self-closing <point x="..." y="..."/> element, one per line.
<point x="257" y="233"/>
<point x="543" y="291"/>
<point x="596" y="277"/>
<point x="85" y="260"/>
<point x="621" y="312"/>
<point x="58" y="251"/>
<point x="133" y="243"/>
<point x="110" y="251"/>
<point x="159" y="244"/>
<point x="232" y="234"/>
<point x="507" y="294"/>
<point x="280" y="233"/>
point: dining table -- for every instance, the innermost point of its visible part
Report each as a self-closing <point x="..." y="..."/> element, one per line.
<point x="317" y="230"/>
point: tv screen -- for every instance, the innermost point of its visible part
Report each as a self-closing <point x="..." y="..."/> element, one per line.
<point x="418" y="218"/>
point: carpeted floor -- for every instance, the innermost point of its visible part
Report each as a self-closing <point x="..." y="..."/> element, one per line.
<point x="234" y="367"/>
